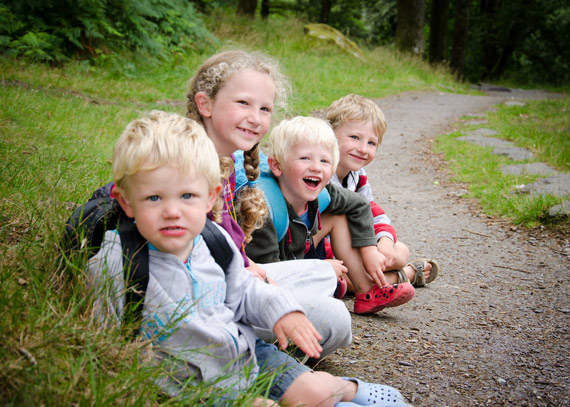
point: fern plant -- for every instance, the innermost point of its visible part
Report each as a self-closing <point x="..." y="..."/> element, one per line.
<point x="56" y="30"/>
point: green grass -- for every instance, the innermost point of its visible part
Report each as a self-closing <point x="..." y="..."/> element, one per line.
<point x="57" y="130"/>
<point x="543" y="127"/>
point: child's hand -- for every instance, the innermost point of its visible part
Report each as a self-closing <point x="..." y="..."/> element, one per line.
<point x="299" y="329"/>
<point x="387" y="248"/>
<point x="260" y="273"/>
<point x="338" y="267"/>
<point x="374" y="263"/>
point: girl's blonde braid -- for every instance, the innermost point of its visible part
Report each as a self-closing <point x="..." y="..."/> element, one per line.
<point x="251" y="207"/>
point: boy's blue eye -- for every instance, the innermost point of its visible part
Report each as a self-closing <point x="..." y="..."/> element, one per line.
<point x="354" y="137"/>
<point x="372" y="143"/>
<point x="266" y="109"/>
<point x="187" y="196"/>
<point x="153" y="198"/>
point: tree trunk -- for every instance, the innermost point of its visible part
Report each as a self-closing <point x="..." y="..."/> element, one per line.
<point x="246" y="8"/>
<point x="264" y="9"/>
<point x="460" y="31"/>
<point x="490" y="41"/>
<point x="410" y="26"/>
<point x="326" y="6"/>
<point x="438" y="30"/>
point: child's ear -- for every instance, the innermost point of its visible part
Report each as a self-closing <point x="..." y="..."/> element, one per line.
<point x="123" y="200"/>
<point x="213" y="196"/>
<point x="204" y="104"/>
<point x="275" y="166"/>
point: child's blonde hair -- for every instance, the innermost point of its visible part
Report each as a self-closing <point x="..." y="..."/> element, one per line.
<point x="210" y="78"/>
<point x="290" y="132"/>
<point x="160" y="139"/>
<point x="216" y="70"/>
<point x="357" y="108"/>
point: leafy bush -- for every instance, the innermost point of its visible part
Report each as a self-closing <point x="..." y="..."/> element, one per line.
<point x="522" y="43"/>
<point x="545" y="54"/>
<point x="381" y="16"/>
<point x="56" y="30"/>
<point x="37" y="46"/>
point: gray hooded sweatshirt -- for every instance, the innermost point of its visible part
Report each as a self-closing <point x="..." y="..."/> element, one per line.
<point x="198" y="318"/>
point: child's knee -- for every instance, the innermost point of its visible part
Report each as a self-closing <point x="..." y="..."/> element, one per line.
<point x="335" y="326"/>
<point x="342" y="324"/>
<point x="403" y="249"/>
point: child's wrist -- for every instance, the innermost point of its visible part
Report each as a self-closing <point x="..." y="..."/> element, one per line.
<point x="367" y="249"/>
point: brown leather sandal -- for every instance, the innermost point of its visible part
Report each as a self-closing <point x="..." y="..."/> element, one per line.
<point x="419" y="267"/>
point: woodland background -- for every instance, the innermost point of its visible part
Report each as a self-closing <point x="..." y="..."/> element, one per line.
<point x="521" y="41"/>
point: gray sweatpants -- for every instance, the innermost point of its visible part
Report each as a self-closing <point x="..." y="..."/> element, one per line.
<point x="312" y="283"/>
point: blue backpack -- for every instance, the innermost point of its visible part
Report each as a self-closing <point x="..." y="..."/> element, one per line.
<point x="273" y="196"/>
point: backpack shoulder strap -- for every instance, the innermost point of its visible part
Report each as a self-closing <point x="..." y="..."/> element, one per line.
<point x="275" y="203"/>
<point x="324" y="199"/>
<point x="136" y="268"/>
<point x="241" y="177"/>
<point x="218" y="245"/>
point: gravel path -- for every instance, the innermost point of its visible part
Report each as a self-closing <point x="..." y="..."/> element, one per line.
<point x="493" y="329"/>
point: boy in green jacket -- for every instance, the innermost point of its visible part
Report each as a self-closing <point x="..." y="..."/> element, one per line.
<point x="303" y="155"/>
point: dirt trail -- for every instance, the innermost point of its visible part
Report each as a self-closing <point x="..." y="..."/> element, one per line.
<point x="493" y="329"/>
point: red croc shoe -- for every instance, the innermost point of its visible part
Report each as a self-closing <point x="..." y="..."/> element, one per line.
<point x="341" y="288"/>
<point x="379" y="298"/>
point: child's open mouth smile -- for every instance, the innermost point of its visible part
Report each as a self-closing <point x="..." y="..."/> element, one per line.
<point x="312" y="182"/>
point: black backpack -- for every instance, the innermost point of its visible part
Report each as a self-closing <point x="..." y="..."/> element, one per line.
<point x="86" y="229"/>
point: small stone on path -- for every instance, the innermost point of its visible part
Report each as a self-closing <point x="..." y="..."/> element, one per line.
<point x="484" y="141"/>
<point x="528" y="168"/>
<point x="562" y="209"/>
<point x="476" y="122"/>
<point x="513" y="152"/>
<point x="558" y="184"/>
<point x="483" y="132"/>
<point x="514" y="103"/>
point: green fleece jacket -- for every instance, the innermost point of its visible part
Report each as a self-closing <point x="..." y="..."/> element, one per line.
<point x="264" y="247"/>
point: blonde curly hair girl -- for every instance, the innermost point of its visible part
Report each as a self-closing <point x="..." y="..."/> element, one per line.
<point x="210" y="79"/>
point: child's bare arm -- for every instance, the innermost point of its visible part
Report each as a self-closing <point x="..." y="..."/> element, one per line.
<point x="374" y="263"/>
<point x="299" y="329"/>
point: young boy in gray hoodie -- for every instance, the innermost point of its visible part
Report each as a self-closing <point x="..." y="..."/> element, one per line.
<point x="199" y="317"/>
